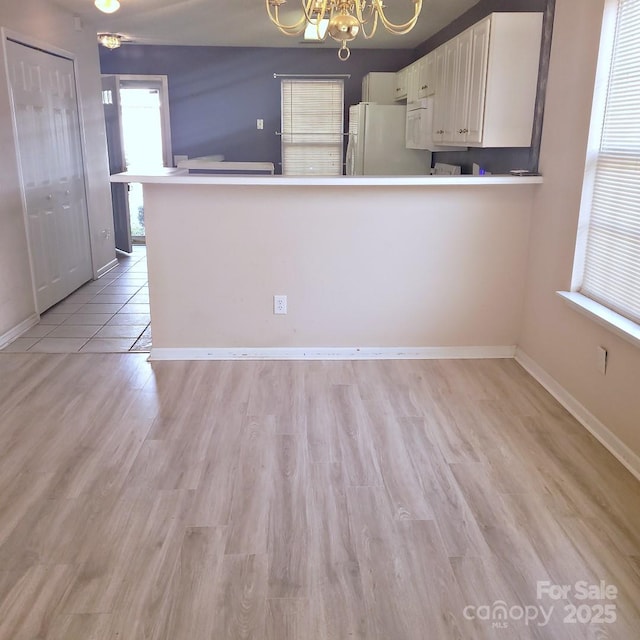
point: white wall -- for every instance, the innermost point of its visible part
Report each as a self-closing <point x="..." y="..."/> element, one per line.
<point x="49" y="24"/>
<point x="560" y="340"/>
<point x="361" y="266"/>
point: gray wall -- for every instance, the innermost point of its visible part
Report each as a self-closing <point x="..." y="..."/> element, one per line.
<point x="217" y="93"/>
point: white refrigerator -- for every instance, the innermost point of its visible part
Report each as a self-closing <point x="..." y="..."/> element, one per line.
<point x="377" y="146"/>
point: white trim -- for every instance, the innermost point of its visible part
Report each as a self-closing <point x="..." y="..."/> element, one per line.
<point x="332" y="353"/>
<point x="625" y="455"/>
<point x="107" y="267"/>
<point x="181" y="176"/>
<point x="627" y="329"/>
<point x="153" y="81"/>
<point x="18" y="330"/>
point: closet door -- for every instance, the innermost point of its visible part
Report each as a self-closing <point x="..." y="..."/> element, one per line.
<point x="49" y="146"/>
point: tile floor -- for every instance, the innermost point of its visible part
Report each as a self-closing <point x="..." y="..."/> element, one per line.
<point x="109" y="315"/>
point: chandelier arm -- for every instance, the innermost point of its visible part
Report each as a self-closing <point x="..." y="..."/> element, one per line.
<point x="289" y="30"/>
<point x="368" y="36"/>
<point x="398" y="29"/>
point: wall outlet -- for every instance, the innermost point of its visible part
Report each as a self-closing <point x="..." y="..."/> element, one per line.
<point x="602" y="360"/>
<point x="280" y="305"/>
<point x="260" y="123"/>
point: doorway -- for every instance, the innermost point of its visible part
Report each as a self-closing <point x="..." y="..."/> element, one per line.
<point x="139" y="138"/>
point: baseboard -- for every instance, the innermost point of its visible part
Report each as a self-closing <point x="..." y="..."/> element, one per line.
<point x="598" y="430"/>
<point x="333" y="353"/>
<point x="18" y="330"/>
<point x="106" y="268"/>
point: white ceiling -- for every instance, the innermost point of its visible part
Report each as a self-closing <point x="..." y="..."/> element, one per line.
<point x="243" y="22"/>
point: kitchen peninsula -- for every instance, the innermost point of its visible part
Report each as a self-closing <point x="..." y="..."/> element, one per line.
<point x="415" y="266"/>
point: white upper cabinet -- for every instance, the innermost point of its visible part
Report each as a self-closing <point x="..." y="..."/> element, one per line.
<point x="426" y="75"/>
<point x="379" y="87"/>
<point x="445" y="72"/>
<point x="494" y="84"/>
<point x="484" y="82"/>
<point x="402" y="83"/>
<point x="413" y="81"/>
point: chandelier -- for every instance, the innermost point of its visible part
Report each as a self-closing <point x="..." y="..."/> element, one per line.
<point x="346" y="19"/>
<point x="110" y="40"/>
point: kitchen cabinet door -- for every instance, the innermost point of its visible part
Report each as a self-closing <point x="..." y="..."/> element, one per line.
<point x="445" y="63"/>
<point x="413" y="81"/>
<point x="426" y="75"/>
<point x="401" y="84"/>
<point x="460" y="93"/>
<point x="477" y="83"/>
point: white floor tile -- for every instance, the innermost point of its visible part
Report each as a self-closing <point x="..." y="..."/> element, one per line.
<point x="108" y="345"/>
<point x="74" y="331"/>
<point x="100" y="308"/>
<point x="58" y="345"/>
<point x="89" y="318"/>
<point x="129" y="318"/>
<point x="54" y="318"/>
<point x="121" y="331"/>
<point x="20" y="345"/>
<point x="38" y="331"/>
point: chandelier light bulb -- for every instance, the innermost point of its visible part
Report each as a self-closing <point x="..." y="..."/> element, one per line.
<point x="107" y="6"/>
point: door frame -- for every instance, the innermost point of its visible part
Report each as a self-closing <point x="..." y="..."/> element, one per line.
<point x="45" y="47"/>
<point x="165" y="115"/>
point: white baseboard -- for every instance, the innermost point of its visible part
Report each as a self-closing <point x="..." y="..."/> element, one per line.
<point x="18" y="330"/>
<point x="598" y="430"/>
<point x="333" y="353"/>
<point x="106" y="268"/>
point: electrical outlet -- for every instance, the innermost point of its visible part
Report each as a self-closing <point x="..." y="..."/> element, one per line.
<point x="260" y="123"/>
<point x="280" y="305"/>
<point x="602" y="360"/>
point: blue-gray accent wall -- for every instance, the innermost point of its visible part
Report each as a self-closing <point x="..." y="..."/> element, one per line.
<point x="216" y="94"/>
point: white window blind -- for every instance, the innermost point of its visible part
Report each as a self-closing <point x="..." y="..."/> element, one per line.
<point x="612" y="255"/>
<point x="312" y="127"/>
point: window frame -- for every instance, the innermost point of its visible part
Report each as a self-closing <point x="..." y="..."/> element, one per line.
<point x="621" y="325"/>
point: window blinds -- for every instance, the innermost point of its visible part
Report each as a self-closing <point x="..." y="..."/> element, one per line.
<point x="312" y="127"/>
<point x="612" y="257"/>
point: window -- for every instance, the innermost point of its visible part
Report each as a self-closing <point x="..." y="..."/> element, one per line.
<point x="608" y="259"/>
<point x="312" y="127"/>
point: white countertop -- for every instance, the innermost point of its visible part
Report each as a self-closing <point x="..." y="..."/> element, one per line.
<point x="182" y="176"/>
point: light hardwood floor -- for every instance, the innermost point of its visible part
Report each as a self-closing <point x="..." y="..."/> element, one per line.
<point x="302" y="501"/>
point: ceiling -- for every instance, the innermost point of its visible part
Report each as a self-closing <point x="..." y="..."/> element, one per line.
<point x="244" y="22"/>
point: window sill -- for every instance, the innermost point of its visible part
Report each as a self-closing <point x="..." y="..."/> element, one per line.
<point x="621" y="326"/>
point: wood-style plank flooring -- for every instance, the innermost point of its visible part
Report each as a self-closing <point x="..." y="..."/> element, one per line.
<point x="302" y="501"/>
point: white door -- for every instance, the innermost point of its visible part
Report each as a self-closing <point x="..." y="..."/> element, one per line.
<point x="48" y="130"/>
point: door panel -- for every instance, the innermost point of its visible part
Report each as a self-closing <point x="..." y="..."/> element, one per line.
<point x="48" y="132"/>
<point x="119" y="195"/>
